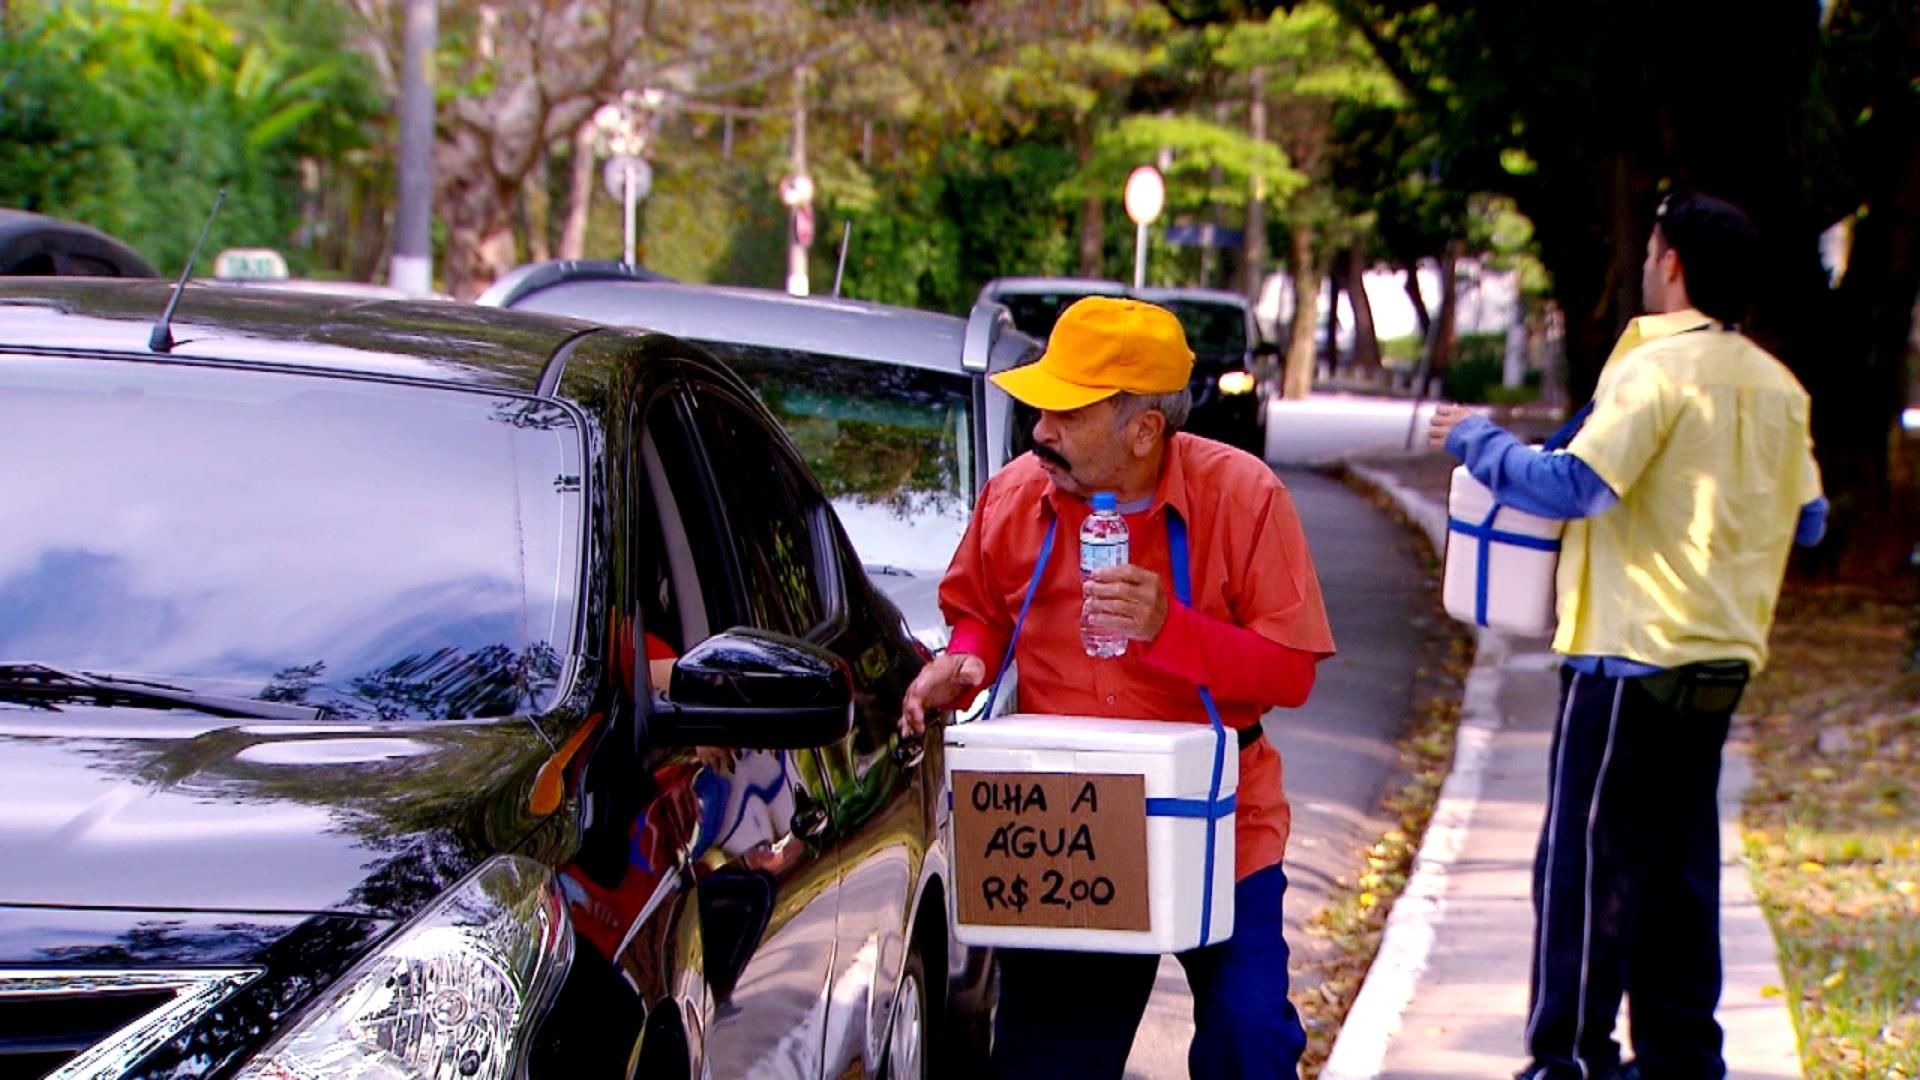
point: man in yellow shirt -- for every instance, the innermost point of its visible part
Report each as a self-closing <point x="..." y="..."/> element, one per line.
<point x="1685" y="483"/>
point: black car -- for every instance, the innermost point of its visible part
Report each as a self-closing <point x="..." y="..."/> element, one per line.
<point x="1234" y="372"/>
<point x="426" y="690"/>
<point x="35" y="245"/>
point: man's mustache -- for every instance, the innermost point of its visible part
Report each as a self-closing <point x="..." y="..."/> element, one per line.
<point x="1052" y="457"/>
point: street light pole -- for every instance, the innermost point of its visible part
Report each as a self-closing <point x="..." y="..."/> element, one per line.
<point x="411" y="267"/>
<point x="1140" y="255"/>
<point x="800" y="226"/>
<point x="631" y="200"/>
<point x="1144" y="197"/>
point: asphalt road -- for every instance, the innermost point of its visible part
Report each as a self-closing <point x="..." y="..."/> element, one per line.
<point x="1338" y="748"/>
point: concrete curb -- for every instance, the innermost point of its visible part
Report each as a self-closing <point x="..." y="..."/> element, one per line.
<point x="1359" y="1051"/>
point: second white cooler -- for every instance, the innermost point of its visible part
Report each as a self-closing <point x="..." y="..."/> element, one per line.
<point x="1500" y="565"/>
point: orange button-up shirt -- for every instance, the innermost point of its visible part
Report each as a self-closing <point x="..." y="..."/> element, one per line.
<point x="1249" y="567"/>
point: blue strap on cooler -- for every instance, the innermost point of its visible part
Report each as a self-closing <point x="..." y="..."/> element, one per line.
<point x="1488" y="536"/>
<point x="1212" y="810"/>
<point x="1039" y="568"/>
<point x="1213" y="807"/>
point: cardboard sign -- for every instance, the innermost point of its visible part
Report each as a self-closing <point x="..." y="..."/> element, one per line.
<point x="1055" y="850"/>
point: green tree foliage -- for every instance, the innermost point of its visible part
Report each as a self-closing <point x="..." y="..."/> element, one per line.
<point x="1308" y="66"/>
<point x="129" y="115"/>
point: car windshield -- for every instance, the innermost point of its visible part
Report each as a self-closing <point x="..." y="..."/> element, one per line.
<point x="385" y="552"/>
<point x="1036" y="312"/>
<point x="892" y="446"/>
<point x="1213" y="330"/>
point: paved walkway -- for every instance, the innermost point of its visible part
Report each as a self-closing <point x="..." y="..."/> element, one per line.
<point x="1447" y="995"/>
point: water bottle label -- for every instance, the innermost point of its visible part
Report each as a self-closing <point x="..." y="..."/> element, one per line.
<point x="1095" y="556"/>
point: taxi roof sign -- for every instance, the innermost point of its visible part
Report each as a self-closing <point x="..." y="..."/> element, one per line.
<point x="250" y="264"/>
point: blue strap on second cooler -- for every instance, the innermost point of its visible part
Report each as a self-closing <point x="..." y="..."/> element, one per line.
<point x="1213" y="807"/>
<point x="1488" y="536"/>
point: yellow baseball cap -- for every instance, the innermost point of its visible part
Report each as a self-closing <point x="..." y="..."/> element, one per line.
<point x="1101" y="346"/>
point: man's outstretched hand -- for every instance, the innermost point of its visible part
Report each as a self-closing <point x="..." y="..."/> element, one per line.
<point x="1446" y="417"/>
<point x="946" y="678"/>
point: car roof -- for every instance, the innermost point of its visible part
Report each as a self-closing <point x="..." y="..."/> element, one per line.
<point x="859" y="329"/>
<point x="365" y="290"/>
<point x="430" y="341"/>
<point x="1193" y="295"/>
<point x="33" y="243"/>
<point x="1074" y="285"/>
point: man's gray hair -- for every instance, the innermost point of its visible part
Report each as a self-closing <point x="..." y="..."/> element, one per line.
<point x="1174" y="407"/>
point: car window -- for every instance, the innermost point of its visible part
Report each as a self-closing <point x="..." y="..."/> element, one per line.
<point x="770" y="518"/>
<point x="1036" y="313"/>
<point x="388" y="552"/>
<point x="1212" y="329"/>
<point x="891" y="445"/>
<point x="660" y="604"/>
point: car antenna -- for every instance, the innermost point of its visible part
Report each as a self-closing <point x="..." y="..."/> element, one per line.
<point x="845" y="236"/>
<point x="161" y="340"/>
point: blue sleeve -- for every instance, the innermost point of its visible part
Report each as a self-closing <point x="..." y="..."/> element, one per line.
<point x="1556" y="485"/>
<point x="1813" y="522"/>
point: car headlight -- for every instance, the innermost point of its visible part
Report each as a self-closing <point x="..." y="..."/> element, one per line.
<point x="454" y="995"/>
<point x="1236" y="382"/>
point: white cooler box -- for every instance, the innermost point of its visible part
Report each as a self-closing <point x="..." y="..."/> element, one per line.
<point x="1499" y="567"/>
<point x="1089" y="834"/>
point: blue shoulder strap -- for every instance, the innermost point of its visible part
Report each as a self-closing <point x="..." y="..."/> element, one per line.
<point x="1183" y="590"/>
<point x="1559" y="439"/>
<point x="1033" y="586"/>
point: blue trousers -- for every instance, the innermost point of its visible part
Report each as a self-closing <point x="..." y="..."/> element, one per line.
<point x="1072" y="1014"/>
<point x="1626" y="886"/>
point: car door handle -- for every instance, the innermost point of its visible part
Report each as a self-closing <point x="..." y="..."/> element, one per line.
<point x="810" y="822"/>
<point x="908" y="750"/>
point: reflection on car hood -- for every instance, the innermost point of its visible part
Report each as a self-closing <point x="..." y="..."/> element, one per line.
<point x="166" y="809"/>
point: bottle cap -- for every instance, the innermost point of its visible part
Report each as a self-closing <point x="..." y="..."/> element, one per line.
<point x="1105" y="500"/>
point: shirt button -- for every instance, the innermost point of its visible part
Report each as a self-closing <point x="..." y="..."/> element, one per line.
<point x="1109" y="699"/>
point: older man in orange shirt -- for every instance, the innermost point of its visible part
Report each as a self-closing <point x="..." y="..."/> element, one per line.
<point x="1112" y="394"/>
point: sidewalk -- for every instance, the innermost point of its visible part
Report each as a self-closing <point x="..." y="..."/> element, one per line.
<point x="1447" y="993"/>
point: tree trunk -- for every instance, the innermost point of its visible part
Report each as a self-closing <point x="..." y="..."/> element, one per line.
<point x="1093" y="241"/>
<point x="1440" y="339"/>
<point x="573" y="233"/>
<point x="536" y="211"/>
<point x="1297" y="381"/>
<point x="1366" y="342"/>
<point x="477" y="203"/>
<point x="1330" y="349"/>
<point x="1256" y="249"/>
<point x="1854" y="363"/>
<point x="1421" y="317"/>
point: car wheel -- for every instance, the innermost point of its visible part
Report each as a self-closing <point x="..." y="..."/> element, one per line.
<point x="909" y="1038"/>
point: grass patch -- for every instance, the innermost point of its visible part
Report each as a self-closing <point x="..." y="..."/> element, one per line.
<point x="1833" y="827"/>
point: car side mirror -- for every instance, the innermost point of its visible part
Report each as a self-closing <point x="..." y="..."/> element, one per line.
<point x="1266" y="349"/>
<point x="752" y="690"/>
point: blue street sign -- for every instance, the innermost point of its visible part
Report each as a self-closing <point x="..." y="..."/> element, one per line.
<point x="1204" y="234"/>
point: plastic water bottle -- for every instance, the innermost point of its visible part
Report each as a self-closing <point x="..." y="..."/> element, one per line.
<point x="1103" y="542"/>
